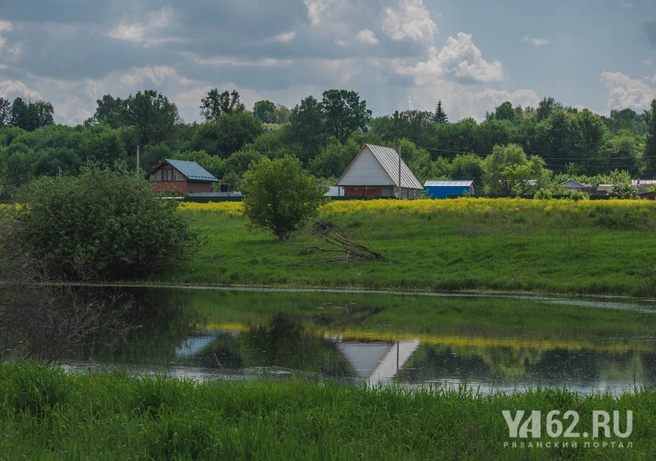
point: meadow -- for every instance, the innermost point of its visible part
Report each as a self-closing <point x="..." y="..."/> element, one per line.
<point x="470" y="244"/>
<point x="48" y="414"/>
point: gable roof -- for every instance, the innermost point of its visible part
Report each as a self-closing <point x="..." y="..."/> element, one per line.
<point x="191" y="170"/>
<point x="388" y="159"/>
<point x="570" y="183"/>
<point x="458" y="183"/>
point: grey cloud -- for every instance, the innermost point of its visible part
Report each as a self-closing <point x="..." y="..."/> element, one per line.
<point x="650" y="30"/>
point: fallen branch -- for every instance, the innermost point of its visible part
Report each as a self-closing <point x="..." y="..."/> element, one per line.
<point x="339" y="242"/>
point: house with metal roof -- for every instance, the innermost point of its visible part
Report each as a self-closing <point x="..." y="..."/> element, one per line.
<point x="176" y="176"/>
<point x="443" y="189"/>
<point x="379" y="172"/>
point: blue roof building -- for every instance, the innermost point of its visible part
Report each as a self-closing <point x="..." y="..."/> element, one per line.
<point x="442" y="189"/>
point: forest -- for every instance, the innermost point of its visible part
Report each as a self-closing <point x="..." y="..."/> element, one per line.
<point x="553" y="142"/>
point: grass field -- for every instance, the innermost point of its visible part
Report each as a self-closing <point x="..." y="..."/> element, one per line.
<point x="549" y="246"/>
<point x="48" y="414"/>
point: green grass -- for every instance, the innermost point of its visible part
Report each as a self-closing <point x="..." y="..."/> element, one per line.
<point x="605" y="250"/>
<point x="48" y="414"/>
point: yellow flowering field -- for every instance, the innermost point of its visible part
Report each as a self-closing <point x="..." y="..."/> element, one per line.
<point x="228" y="208"/>
<point x="486" y="205"/>
<point x="457" y="206"/>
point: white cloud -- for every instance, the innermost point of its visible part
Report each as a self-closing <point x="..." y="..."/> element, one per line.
<point x="367" y="36"/>
<point x="4" y="27"/>
<point x="339" y="42"/>
<point x="646" y="61"/>
<point x="285" y="37"/>
<point x="147" y="32"/>
<point x="653" y="80"/>
<point x="236" y="62"/>
<point x="537" y="42"/>
<point x="316" y="9"/>
<point x="409" y="21"/>
<point x="157" y="75"/>
<point x="16" y="88"/>
<point x="626" y="4"/>
<point x="624" y="92"/>
<point x="459" y="58"/>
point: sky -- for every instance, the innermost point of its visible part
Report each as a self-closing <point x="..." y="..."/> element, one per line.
<point x="397" y="54"/>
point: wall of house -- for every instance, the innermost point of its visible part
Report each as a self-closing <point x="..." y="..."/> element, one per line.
<point x="173" y="187"/>
<point x="363" y="191"/>
<point x="366" y="171"/>
<point x="199" y="187"/>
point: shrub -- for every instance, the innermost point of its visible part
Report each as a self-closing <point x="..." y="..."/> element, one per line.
<point x="101" y="224"/>
<point x="280" y="196"/>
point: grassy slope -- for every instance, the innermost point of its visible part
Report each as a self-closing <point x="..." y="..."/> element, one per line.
<point x="548" y="246"/>
<point x="47" y="414"/>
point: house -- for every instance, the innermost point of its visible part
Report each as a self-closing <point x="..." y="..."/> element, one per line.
<point x="570" y="184"/>
<point x="176" y="176"/>
<point x="442" y="189"/>
<point x="379" y="172"/>
<point x="643" y="186"/>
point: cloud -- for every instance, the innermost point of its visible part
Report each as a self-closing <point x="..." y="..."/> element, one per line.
<point x="10" y="89"/>
<point x="285" y="37"/>
<point x="650" y="30"/>
<point x="537" y="42"/>
<point x="646" y="61"/>
<point x="459" y="59"/>
<point x="316" y="9"/>
<point x="153" y="75"/>
<point x="625" y="92"/>
<point x="626" y="4"/>
<point x="367" y="36"/>
<point x="409" y="21"/>
<point x="147" y="32"/>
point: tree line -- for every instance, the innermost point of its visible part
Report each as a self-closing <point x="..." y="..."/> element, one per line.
<point x="325" y="134"/>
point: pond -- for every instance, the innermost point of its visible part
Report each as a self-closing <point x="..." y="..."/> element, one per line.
<point x="489" y="343"/>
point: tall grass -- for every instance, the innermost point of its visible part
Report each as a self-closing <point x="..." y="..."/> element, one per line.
<point x="117" y="416"/>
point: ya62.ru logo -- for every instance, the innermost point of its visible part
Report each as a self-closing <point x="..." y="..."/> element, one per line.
<point x="566" y="426"/>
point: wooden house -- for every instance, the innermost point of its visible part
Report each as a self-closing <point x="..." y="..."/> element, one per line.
<point x="181" y="176"/>
<point x="379" y="172"/>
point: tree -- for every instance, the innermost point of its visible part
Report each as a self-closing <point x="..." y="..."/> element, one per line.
<point x="344" y="113"/>
<point x="307" y="124"/>
<point x="152" y="114"/>
<point x="508" y="171"/>
<point x="31" y="115"/>
<point x="228" y="134"/>
<point x="5" y="112"/>
<point x="107" y="107"/>
<point x="650" y="144"/>
<point x="101" y="224"/>
<point x="468" y="166"/>
<point x="264" y="111"/>
<point x="440" y="115"/>
<point x="216" y="104"/>
<point x="505" y="112"/>
<point x="280" y="196"/>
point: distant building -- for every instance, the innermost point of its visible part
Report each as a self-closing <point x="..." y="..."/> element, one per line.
<point x="177" y="176"/>
<point x="379" y="172"/>
<point x="442" y="189"/>
<point x="570" y="184"/>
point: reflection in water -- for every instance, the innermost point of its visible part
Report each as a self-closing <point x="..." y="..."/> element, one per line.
<point x="489" y="343"/>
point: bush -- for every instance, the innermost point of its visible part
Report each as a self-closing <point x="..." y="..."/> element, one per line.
<point x="280" y="196"/>
<point x="101" y="224"/>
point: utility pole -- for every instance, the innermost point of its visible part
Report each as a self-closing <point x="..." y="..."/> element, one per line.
<point x="137" y="159"/>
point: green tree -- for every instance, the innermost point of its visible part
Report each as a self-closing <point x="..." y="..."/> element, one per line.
<point x="102" y="224"/>
<point x="509" y="172"/>
<point x="440" y="115"/>
<point x="108" y="108"/>
<point x="265" y="111"/>
<point x="307" y="125"/>
<point x="31" y="115"/>
<point x="280" y="196"/>
<point x="505" y="112"/>
<point x="152" y="114"/>
<point x="5" y="112"/>
<point x="344" y="113"/>
<point x="650" y="144"/>
<point x="215" y="104"/>
<point x="468" y="166"/>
